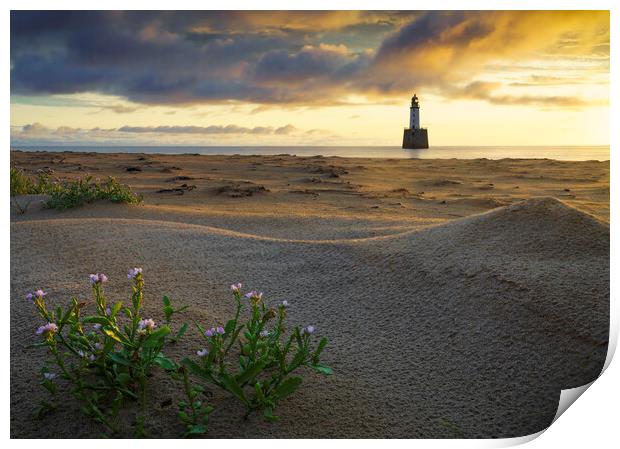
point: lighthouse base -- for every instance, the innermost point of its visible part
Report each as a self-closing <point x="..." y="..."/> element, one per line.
<point x="415" y="139"/>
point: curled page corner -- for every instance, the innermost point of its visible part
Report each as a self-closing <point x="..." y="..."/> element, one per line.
<point x="568" y="397"/>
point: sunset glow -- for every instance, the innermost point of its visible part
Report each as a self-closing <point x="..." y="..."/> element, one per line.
<point x="309" y="78"/>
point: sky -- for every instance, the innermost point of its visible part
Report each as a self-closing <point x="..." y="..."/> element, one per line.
<point x="308" y="77"/>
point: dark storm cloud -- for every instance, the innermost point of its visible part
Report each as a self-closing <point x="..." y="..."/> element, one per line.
<point x="308" y="63"/>
<point x="282" y="57"/>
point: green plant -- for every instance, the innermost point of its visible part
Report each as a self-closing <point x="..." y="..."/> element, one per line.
<point x="265" y="359"/>
<point x="79" y="191"/>
<point x="193" y="412"/>
<point x="21" y="184"/>
<point x="107" y="357"/>
<point x="73" y="192"/>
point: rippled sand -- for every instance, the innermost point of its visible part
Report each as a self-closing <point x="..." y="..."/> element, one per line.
<point x="459" y="296"/>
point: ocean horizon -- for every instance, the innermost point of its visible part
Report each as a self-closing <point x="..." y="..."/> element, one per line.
<point x="565" y="153"/>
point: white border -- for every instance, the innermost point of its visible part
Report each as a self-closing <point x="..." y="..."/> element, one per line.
<point x="591" y="422"/>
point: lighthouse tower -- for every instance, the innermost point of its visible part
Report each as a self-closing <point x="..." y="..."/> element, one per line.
<point x="414" y="137"/>
<point x="414" y="113"/>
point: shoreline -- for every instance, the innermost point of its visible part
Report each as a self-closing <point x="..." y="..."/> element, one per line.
<point x="491" y="152"/>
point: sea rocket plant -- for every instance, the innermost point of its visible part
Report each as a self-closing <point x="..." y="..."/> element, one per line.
<point x="110" y="363"/>
<point x="266" y="358"/>
<point x="108" y="357"/>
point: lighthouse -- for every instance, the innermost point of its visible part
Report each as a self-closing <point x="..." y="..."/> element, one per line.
<point x="414" y="113"/>
<point x="414" y="137"/>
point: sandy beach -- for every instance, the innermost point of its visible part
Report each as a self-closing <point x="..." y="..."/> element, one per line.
<point x="459" y="296"/>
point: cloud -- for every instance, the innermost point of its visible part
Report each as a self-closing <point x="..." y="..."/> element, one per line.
<point x="295" y="58"/>
<point x="214" y="129"/>
<point x="121" y="109"/>
<point x="38" y="133"/>
<point x="283" y="130"/>
<point x="491" y="92"/>
<point x="310" y="63"/>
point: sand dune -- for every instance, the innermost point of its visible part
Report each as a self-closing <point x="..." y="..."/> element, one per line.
<point x="462" y="328"/>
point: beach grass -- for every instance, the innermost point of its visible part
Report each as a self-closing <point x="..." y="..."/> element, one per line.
<point x="65" y="194"/>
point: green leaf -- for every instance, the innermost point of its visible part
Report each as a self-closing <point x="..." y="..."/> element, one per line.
<point x="287" y="387"/>
<point x="154" y="339"/>
<point x="196" y="429"/>
<point x="166" y="301"/>
<point x="200" y="329"/>
<point x="109" y="344"/>
<point x="320" y="347"/>
<point x="44" y="409"/>
<point x="123" y="378"/>
<point x="233" y="387"/>
<point x="168" y="311"/>
<point x="67" y="314"/>
<point x="96" y="319"/>
<point x="297" y="359"/>
<point x="165" y="362"/>
<point x="181" y="332"/>
<point x="195" y="368"/>
<point x="119" y="358"/>
<point x="268" y="413"/>
<point x="250" y="373"/>
<point x="259" y="392"/>
<point x="230" y="327"/>
<point x="116" y="308"/>
<point x="323" y="369"/>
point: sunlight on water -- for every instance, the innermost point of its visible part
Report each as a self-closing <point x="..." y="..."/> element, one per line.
<point x="567" y="153"/>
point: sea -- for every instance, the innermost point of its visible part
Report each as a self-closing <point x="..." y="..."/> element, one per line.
<point x="565" y="153"/>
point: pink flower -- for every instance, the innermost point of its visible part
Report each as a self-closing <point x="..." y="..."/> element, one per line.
<point x="148" y="324"/>
<point x="254" y="295"/>
<point x="39" y="293"/>
<point x="48" y="329"/>
<point x="133" y="272"/>
<point x="98" y="278"/>
<point x="235" y="288"/>
<point x="308" y="330"/>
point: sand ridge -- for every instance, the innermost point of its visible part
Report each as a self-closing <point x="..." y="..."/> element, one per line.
<point x="468" y="328"/>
